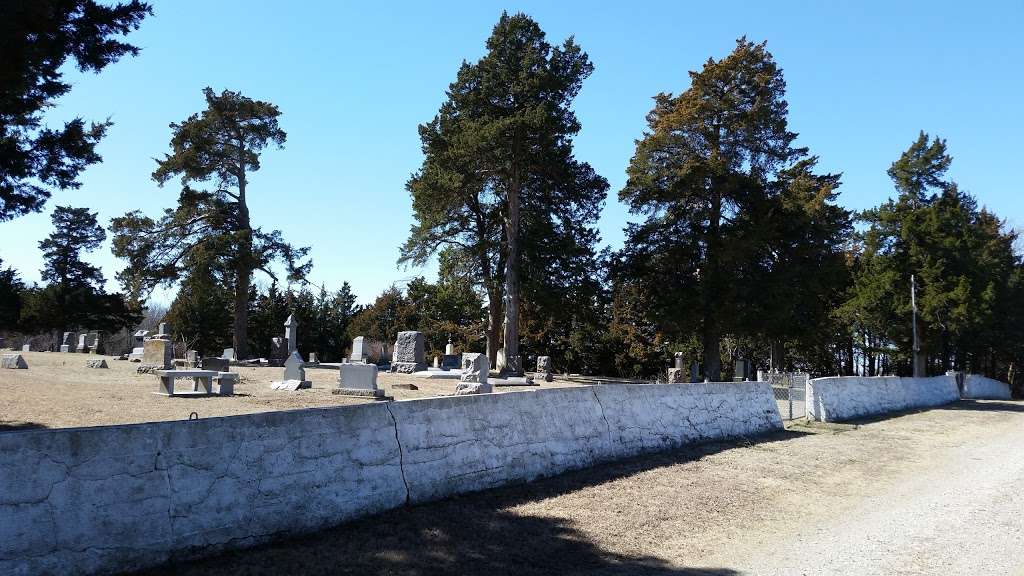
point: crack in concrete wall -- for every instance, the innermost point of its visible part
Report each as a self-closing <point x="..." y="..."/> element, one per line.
<point x="119" y="498"/>
<point x="401" y="453"/>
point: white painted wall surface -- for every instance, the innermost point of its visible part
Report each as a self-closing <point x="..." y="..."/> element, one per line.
<point x="114" y="498"/>
<point x="978" y="387"/>
<point x="849" y="397"/>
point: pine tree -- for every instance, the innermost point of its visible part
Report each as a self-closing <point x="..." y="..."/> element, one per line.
<point x="704" y="162"/>
<point x="73" y="280"/>
<point x="222" y="144"/>
<point x="11" y="289"/>
<point x="37" y="38"/>
<point x="499" y="174"/>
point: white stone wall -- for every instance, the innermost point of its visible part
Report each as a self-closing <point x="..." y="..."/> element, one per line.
<point x="96" y="500"/>
<point x="849" y="397"/>
<point x="978" y="387"/>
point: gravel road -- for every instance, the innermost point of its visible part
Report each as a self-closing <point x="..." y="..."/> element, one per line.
<point x="934" y="492"/>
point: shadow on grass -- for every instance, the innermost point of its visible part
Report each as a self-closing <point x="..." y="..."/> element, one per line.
<point x="17" y="425"/>
<point x="474" y="534"/>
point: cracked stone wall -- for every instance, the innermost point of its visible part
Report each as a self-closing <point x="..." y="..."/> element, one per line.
<point x="978" y="387"/>
<point x="466" y="443"/>
<point x="849" y="397"/>
<point x="114" y="498"/>
<point x="117" y="498"/>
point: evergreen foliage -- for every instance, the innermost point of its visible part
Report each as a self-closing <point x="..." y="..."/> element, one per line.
<point x="37" y="38"/>
<point x="221" y="145"/>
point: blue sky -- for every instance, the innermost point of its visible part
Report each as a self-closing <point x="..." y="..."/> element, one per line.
<point x="353" y="81"/>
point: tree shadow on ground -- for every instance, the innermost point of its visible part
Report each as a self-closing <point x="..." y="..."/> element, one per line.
<point x="17" y="425"/>
<point x="985" y="406"/>
<point x="971" y="405"/>
<point x="474" y="534"/>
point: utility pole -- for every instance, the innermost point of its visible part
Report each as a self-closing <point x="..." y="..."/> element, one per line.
<point x="916" y="350"/>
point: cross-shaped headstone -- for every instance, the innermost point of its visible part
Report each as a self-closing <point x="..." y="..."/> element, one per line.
<point x="290" y="332"/>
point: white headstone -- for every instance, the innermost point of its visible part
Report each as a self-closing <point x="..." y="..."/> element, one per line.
<point x="474" y="367"/>
<point x="294" y="375"/>
<point x="291" y="328"/>
<point x="360" y="349"/>
<point x="358" y="380"/>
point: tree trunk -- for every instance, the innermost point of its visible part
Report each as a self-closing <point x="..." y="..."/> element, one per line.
<point x="778" y="353"/>
<point x="511" y="325"/>
<point x="243" y="270"/>
<point x="494" y="319"/>
<point x="711" y="339"/>
<point x="241" y="325"/>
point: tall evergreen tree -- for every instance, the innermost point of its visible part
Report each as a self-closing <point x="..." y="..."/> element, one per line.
<point x="222" y="144"/>
<point x="37" y="38"/>
<point x="963" y="262"/>
<point x="705" y="160"/>
<point x="73" y="280"/>
<point x="11" y="288"/>
<point x="499" y="156"/>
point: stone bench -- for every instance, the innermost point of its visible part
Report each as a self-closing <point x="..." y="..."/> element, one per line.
<point x="202" y="382"/>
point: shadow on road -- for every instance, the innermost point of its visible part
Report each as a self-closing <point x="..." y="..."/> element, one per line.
<point x="475" y="534"/>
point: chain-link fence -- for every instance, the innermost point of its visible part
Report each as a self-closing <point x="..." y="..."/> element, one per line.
<point x="790" y="389"/>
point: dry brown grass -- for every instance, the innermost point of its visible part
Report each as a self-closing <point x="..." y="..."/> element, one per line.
<point x="58" y="391"/>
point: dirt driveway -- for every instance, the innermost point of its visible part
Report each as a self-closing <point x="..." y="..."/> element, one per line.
<point x="936" y="492"/>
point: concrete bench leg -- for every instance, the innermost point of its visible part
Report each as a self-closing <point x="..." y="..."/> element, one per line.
<point x="207" y="384"/>
<point x="166" y="385"/>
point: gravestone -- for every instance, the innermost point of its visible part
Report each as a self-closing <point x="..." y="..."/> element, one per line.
<point x="278" y="351"/>
<point x="741" y="372"/>
<point x="408" y="356"/>
<point x="158" y="353"/>
<point x="291" y="332"/>
<point x="139" y="337"/>
<point x="215" y="364"/>
<point x="13" y="361"/>
<point x="695" y="372"/>
<point x="679" y="361"/>
<point x="229" y="355"/>
<point x="163" y="333"/>
<point x="312" y="358"/>
<point x="94" y="342"/>
<point x="474" y="375"/>
<point x="358" y="380"/>
<point x="544" y="369"/>
<point x="192" y="358"/>
<point x="83" y="343"/>
<point x="360" y="349"/>
<point x="437" y="361"/>
<point x="67" y="342"/>
<point x="99" y="363"/>
<point x="449" y="348"/>
<point x="26" y="347"/>
<point x="676" y="376"/>
<point x="294" y="375"/>
<point x="451" y="362"/>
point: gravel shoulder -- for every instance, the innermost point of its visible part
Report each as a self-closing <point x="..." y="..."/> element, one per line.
<point x="933" y="492"/>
